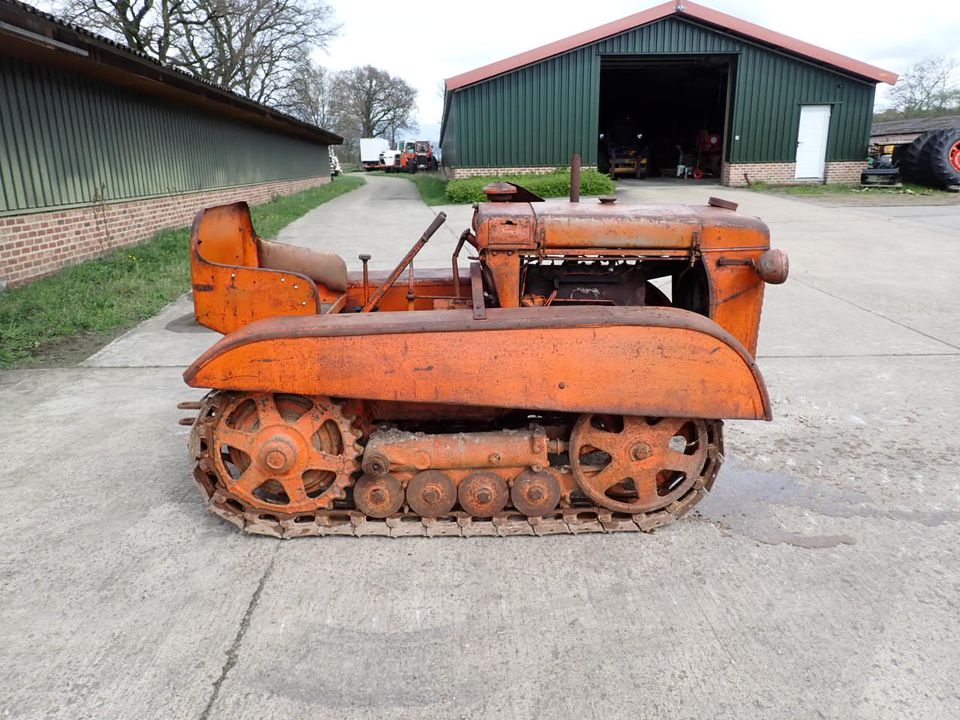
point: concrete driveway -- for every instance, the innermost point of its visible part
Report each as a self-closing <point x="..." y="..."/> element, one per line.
<point x="820" y="579"/>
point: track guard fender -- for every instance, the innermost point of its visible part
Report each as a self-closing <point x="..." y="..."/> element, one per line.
<point x="651" y="361"/>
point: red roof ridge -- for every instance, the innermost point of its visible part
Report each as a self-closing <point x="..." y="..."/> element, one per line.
<point x="659" y="12"/>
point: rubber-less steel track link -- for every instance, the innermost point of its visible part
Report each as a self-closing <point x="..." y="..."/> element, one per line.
<point x="565" y="520"/>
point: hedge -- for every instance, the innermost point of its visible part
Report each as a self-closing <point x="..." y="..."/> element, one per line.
<point x="555" y="184"/>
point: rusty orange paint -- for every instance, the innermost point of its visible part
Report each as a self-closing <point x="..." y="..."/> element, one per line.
<point x="633" y="361"/>
<point x="230" y="290"/>
<point x="428" y="284"/>
<point x="585" y="342"/>
<point x="288" y="335"/>
<point x="509" y="233"/>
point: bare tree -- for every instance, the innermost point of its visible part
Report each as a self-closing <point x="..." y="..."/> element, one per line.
<point x="927" y="88"/>
<point x="369" y="102"/>
<point x="252" y="47"/>
<point x="307" y="95"/>
<point x="145" y="26"/>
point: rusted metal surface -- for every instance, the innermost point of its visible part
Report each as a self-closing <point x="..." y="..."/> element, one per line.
<point x="535" y="492"/>
<point x="429" y="284"/>
<point x="398" y="451"/>
<point x="378" y="497"/>
<point x="230" y="289"/>
<point x="555" y="390"/>
<point x="405" y="262"/>
<point x="365" y="259"/>
<point x="721" y="203"/>
<point x="476" y="292"/>
<point x="773" y="266"/>
<point x="631" y="466"/>
<point x="466" y="502"/>
<point x="575" y="178"/>
<point x="483" y="494"/>
<point x="295" y="453"/>
<point x="431" y="493"/>
<point x="553" y="363"/>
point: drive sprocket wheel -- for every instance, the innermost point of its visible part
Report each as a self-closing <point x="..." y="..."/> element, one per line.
<point x="284" y="453"/>
<point x="637" y="465"/>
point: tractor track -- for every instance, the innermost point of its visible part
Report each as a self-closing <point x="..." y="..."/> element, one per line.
<point x="571" y="518"/>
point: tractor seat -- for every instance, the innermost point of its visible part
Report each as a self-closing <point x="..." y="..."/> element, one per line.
<point x="238" y="277"/>
<point x="327" y="269"/>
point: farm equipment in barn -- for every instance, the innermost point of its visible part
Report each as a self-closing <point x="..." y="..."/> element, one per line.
<point x="626" y="159"/>
<point x="628" y="162"/>
<point x="575" y="379"/>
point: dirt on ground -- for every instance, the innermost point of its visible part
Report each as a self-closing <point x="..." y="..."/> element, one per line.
<point x="874" y="197"/>
<point x="70" y="351"/>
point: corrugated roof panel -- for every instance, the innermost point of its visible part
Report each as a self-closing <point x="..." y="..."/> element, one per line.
<point x="559" y="99"/>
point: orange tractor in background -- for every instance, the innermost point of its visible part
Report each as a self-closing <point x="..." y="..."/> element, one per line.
<point x="410" y="156"/>
<point x="575" y="379"/>
<point x="418" y="155"/>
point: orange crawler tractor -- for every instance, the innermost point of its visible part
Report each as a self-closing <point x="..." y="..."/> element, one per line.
<point x="574" y="380"/>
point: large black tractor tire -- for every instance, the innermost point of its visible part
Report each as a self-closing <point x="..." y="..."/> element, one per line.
<point x="909" y="159"/>
<point x="941" y="158"/>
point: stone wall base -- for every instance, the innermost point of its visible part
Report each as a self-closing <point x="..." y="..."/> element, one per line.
<point x="41" y="243"/>
<point x="457" y="173"/>
<point x="783" y="173"/>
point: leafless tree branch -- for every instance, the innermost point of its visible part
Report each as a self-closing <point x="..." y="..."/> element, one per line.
<point x="252" y="47"/>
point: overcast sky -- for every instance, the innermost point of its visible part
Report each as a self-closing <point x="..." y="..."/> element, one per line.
<point x="436" y="39"/>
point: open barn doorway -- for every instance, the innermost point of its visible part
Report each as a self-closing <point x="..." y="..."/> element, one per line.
<point x="664" y="116"/>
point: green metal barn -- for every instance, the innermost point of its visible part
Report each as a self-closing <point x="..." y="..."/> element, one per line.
<point x="676" y="85"/>
<point x="101" y="146"/>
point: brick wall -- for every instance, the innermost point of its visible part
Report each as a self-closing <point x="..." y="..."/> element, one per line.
<point x="783" y="173"/>
<point x="37" y="244"/>
<point x="844" y="172"/>
<point x="458" y="173"/>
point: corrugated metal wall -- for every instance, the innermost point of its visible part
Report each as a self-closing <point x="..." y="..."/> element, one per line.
<point x="540" y="114"/>
<point x="533" y="117"/>
<point x="769" y="90"/>
<point x="449" y="134"/>
<point x="67" y="140"/>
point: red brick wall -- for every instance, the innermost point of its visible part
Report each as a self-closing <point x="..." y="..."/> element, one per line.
<point x="38" y="244"/>
<point x="784" y="173"/>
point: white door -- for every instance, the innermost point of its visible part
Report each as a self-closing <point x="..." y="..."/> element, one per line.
<point x="812" y="141"/>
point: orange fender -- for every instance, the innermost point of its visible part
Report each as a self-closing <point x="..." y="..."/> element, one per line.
<point x="661" y="362"/>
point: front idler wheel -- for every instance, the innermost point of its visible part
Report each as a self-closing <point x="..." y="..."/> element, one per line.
<point x="638" y="465"/>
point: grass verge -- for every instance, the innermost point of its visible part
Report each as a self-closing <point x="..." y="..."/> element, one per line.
<point x="555" y="184"/>
<point x="432" y="187"/>
<point x="437" y="189"/>
<point x="88" y="304"/>
<point x="818" y="190"/>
